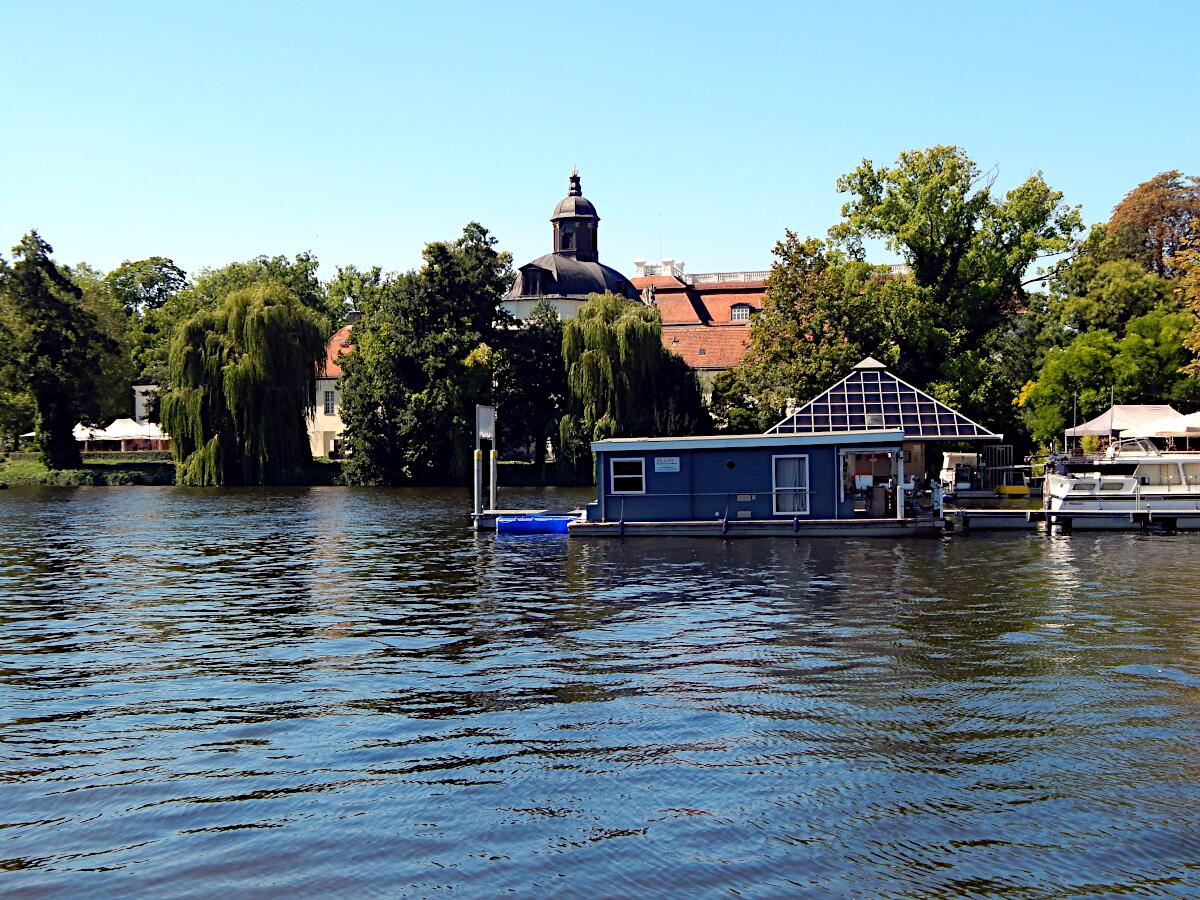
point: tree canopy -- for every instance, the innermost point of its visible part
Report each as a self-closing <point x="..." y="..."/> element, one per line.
<point x="531" y="383"/>
<point x="621" y="380"/>
<point x="243" y="388"/>
<point x="57" y="345"/>
<point x="1156" y="220"/>
<point x="422" y="358"/>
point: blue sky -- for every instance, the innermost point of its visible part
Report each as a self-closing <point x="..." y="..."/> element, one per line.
<point x="212" y="132"/>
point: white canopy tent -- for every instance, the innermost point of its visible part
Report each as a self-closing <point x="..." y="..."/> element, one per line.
<point x="1171" y="426"/>
<point x="1116" y="419"/>
<point x="118" y="430"/>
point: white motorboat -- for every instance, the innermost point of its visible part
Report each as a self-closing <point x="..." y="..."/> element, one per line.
<point x="1133" y="475"/>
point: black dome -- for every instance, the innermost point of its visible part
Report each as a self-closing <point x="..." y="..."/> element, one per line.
<point x="574" y="205"/>
<point x="554" y="275"/>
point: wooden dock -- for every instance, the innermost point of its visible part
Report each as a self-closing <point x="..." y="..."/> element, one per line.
<point x="972" y="520"/>
<point x="922" y="527"/>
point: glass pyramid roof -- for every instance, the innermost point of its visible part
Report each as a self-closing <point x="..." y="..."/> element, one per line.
<point x="871" y="398"/>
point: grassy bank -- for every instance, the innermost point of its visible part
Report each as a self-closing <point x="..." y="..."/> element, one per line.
<point x="25" y="469"/>
<point x="113" y="469"/>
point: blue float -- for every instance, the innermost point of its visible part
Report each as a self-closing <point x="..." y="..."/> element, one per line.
<point x="533" y="524"/>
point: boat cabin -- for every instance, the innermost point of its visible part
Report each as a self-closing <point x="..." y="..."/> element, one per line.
<point x="754" y="477"/>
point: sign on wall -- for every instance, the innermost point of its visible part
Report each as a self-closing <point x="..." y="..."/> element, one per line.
<point x="666" y="464"/>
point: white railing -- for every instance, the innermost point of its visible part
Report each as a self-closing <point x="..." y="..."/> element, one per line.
<point x="720" y="277"/>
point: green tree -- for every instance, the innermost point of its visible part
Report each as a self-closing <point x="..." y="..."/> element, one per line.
<point x="621" y="381"/>
<point x="244" y="376"/>
<point x="531" y="382"/>
<point x="113" y="376"/>
<point x="210" y="287"/>
<point x="971" y="253"/>
<point x="1188" y="292"/>
<point x="969" y="249"/>
<point x="422" y="358"/>
<point x="146" y="285"/>
<point x="1143" y="365"/>
<point x="1118" y="291"/>
<point x="1076" y="377"/>
<point x="822" y="313"/>
<point x="147" y="289"/>
<point x="56" y="346"/>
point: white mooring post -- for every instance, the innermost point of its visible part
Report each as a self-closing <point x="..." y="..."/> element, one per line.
<point x="485" y="428"/>
<point x="493" y="472"/>
<point x="478" y="500"/>
<point x="900" y="484"/>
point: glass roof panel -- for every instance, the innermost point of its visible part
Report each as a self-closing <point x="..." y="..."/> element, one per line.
<point x="880" y="397"/>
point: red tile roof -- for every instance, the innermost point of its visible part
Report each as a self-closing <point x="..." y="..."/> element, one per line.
<point x="659" y="281"/>
<point x="708" y="346"/>
<point x="337" y="345"/>
<point x="707" y="303"/>
<point x="678" y="309"/>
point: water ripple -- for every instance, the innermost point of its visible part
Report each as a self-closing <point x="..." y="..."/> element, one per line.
<point x="342" y="691"/>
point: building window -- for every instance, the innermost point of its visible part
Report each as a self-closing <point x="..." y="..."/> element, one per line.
<point x="701" y="352"/>
<point x="568" y="240"/>
<point x="789" y="484"/>
<point x="628" y="476"/>
<point x="740" y="313"/>
<point x="329" y="403"/>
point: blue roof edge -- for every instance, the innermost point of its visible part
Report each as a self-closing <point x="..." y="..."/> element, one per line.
<point x="730" y="441"/>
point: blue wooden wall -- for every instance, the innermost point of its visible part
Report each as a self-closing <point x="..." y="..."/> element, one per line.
<point x="708" y="487"/>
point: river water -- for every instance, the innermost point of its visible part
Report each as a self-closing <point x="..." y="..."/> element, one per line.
<point x="331" y="690"/>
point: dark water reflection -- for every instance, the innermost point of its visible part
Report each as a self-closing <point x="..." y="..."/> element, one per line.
<point x="340" y="691"/>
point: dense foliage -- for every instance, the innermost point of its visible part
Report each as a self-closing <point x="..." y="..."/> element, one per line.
<point x="531" y="384"/>
<point x="621" y="381"/>
<point x="422" y="358"/>
<point x="1004" y="309"/>
<point x="1117" y="315"/>
<point x="243" y="377"/>
<point x="56" y="344"/>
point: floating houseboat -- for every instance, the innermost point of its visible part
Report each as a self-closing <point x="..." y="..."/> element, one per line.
<point x="831" y="483"/>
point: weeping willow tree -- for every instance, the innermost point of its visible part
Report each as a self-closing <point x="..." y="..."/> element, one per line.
<point x="243" y="389"/>
<point x="621" y="381"/>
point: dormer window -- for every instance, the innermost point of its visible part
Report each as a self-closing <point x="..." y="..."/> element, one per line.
<point x="740" y="312"/>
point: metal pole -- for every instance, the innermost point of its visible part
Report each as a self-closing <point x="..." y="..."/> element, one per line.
<point x="478" y="501"/>
<point x="900" y="484"/>
<point x="492" y="486"/>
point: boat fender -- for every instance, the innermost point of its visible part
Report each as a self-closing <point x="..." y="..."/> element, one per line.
<point x="795" y="524"/>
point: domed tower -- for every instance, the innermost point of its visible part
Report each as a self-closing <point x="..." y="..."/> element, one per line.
<point x="573" y="271"/>
<point x="575" y="224"/>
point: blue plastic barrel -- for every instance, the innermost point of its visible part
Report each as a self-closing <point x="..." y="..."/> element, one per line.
<point x="533" y="524"/>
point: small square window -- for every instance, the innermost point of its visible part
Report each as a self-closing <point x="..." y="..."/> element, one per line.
<point x="701" y="352"/>
<point x="628" y="476"/>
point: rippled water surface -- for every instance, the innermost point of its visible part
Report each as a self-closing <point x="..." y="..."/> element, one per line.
<point x="330" y="690"/>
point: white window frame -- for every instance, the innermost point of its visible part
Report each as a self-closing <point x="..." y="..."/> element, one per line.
<point x="807" y="487"/>
<point x="330" y="403"/>
<point x="744" y="308"/>
<point x="612" y="475"/>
